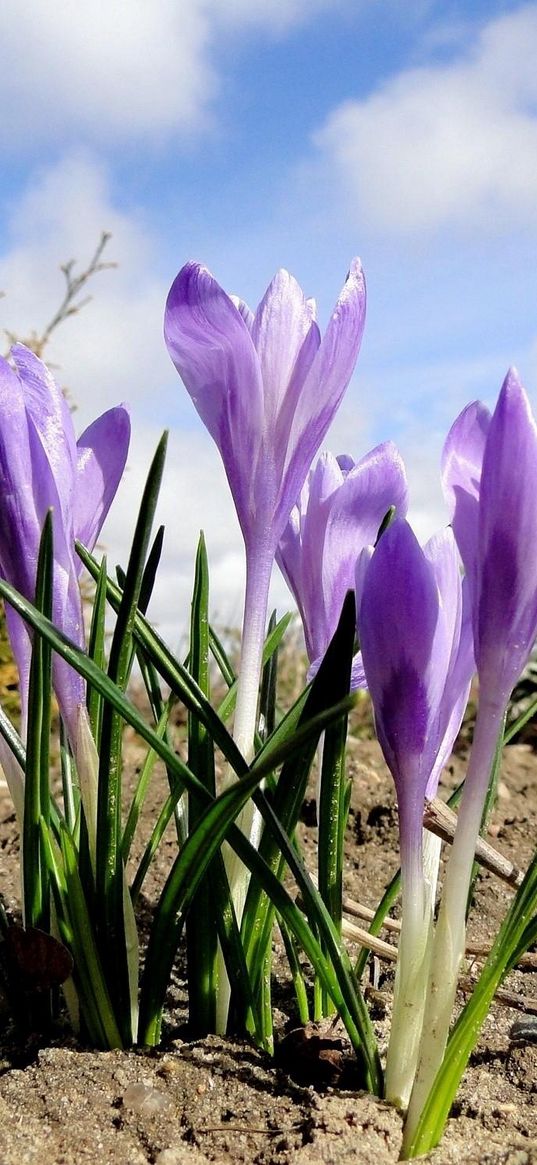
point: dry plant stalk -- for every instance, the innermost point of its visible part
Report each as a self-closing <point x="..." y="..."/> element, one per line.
<point x="69" y="306"/>
<point x="438" y="818"/>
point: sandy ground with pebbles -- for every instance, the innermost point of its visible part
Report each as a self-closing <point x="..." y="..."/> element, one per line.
<point x="222" y="1101"/>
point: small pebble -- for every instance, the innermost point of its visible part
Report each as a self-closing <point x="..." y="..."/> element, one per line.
<point x="179" y="1155"/>
<point x="524" y="1031"/>
<point x="144" y="1099"/>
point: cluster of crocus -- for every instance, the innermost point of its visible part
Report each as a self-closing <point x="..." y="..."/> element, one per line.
<point x="490" y="480"/>
<point x="43" y="467"/>
<point x="267" y="389"/>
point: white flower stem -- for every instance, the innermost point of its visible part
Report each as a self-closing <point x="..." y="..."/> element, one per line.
<point x="414" y="951"/>
<point x="450" y="935"/>
<point x="258" y="573"/>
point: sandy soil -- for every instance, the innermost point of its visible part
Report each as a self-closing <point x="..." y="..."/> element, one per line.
<point x="222" y="1101"/>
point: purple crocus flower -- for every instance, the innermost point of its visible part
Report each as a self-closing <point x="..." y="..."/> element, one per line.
<point x="43" y="467"/>
<point x="267" y="386"/>
<point x="339" y="512"/>
<point x="416" y="643"/>
<point x="490" y="480"/>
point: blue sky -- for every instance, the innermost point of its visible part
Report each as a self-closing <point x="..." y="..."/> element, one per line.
<point x="295" y="133"/>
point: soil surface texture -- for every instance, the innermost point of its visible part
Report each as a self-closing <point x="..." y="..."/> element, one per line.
<point x="219" y="1100"/>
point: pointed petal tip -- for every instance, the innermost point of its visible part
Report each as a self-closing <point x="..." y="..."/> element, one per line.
<point x="512" y="384"/>
<point x="18" y="347"/>
<point x="355" y="274"/>
<point x="389" y="451"/>
<point x="190" y="282"/>
<point x="466" y="439"/>
<point x="514" y="395"/>
<point x="25" y="359"/>
<point x="353" y="295"/>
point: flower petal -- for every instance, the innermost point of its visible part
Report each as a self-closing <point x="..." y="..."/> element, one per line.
<point x="358" y="679"/>
<point x="462" y="460"/>
<point x="452" y="660"/>
<point x="18" y="511"/>
<point x="301" y="548"/>
<point x="212" y="349"/>
<point x="102" y="452"/>
<point x="49" y="413"/>
<point x="441" y="554"/>
<point x="367" y="492"/>
<point x="284" y="334"/>
<point x="397" y="624"/>
<point x="244" y="311"/>
<point x="505" y="624"/>
<point x="323" y="388"/>
<point x="456" y="693"/>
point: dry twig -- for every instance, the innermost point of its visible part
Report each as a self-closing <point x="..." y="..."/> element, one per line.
<point x="70" y="305"/>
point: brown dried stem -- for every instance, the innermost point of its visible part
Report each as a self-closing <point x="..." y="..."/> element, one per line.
<point x="70" y="305"/>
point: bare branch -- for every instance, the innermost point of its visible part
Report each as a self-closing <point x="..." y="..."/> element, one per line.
<point x="70" y="304"/>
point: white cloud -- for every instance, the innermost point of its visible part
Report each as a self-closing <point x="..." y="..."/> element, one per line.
<point x="109" y="70"/>
<point x="276" y="15"/>
<point x="112" y="351"/>
<point x="449" y="144"/>
<point x="106" y="67"/>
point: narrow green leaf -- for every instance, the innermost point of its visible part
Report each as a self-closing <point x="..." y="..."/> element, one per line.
<point x="151" y="684"/>
<point x="332" y="818"/>
<point x="157" y="833"/>
<point x="272" y="642"/>
<point x="299" y="982"/>
<point x="291" y="788"/>
<point x="520" y="722"/>
<point x="343" y="991"/>
<point x="221" y="658"/>
<point x="201" y="923"/>
<point x="267" y="698"/>
<point x="36" y="889"/>
<point x="110" y="877"/>
<point x="150" y="569"/>
<point x="142" y="786"/>
<point x="335" y="970"/>
<point x="95" y="1000"/>
<point x="242" y="1000"/>
<point x="96" y="651"/>
<point x="179" y="892"/>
